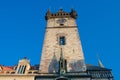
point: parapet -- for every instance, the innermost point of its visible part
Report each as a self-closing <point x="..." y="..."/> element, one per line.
<point x="61" y="14"/>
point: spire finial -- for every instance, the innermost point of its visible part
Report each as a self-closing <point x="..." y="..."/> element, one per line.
<point x="99" y="62"/>
<point x="60" y="10"/>
<point x="25" y="57"/>
<point x="49" y="7"/>
<point x="49" y="11"/>
<point x="73" y="10"/>
<point x="60" y="7"/>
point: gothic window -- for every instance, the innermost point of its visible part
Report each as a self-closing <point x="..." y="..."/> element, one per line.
<point x="62" y="40"/>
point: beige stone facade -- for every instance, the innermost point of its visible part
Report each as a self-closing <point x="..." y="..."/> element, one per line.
<point x="17" y="77"/>
<point x="72" y="50"/>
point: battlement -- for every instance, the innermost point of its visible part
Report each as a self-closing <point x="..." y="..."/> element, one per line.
<point x="61" y="14"/>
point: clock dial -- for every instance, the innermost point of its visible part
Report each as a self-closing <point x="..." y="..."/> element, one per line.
<point x="61" y="21"/>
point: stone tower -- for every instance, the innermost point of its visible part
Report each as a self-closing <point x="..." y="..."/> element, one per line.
<point x="62" y="57"/>
<point x="62" y="32"/>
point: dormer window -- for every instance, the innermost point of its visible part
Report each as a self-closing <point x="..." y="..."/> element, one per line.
<point x="23" y="66"/>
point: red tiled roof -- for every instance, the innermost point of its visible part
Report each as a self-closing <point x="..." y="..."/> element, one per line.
<point x="7" y="68"/>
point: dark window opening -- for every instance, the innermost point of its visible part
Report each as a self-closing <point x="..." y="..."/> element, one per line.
<point x="29" y="72"/>
<point x="62" y="40"/>
<point x="62" y="79"/>
<point x="65" y="65"/>
<point x="19" y="70"/>
<point x="61" y="64"/>
<point x="24" y="69"/>
<point x="61" y="24"/>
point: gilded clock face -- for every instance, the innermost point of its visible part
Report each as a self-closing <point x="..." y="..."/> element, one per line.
<point x="61" y="21"/>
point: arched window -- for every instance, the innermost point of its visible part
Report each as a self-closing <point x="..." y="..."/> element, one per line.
<point x="62" y="40"/>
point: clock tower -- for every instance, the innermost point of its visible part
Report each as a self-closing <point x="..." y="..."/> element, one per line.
<point x="62" y="36"/>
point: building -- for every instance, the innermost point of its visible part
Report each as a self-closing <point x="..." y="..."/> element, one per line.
<point x="62" y="56"/>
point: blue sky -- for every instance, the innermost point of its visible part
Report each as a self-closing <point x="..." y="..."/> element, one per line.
<point x="22" y="28"/>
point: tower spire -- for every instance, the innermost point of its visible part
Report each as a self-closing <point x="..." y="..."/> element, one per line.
<point x="100" y="62"/>
<point x="60" y="8"/>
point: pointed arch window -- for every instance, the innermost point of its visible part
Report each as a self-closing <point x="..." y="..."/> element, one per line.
<point x="62" y="40"/>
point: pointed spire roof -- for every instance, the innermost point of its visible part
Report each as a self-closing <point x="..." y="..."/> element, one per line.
<point x="100" y="62"/>
<point x="73" y="10"/>
<point x="49" y="11"/>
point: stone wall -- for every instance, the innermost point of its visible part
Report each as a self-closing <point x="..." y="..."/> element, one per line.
<point x="16" y="77"/>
